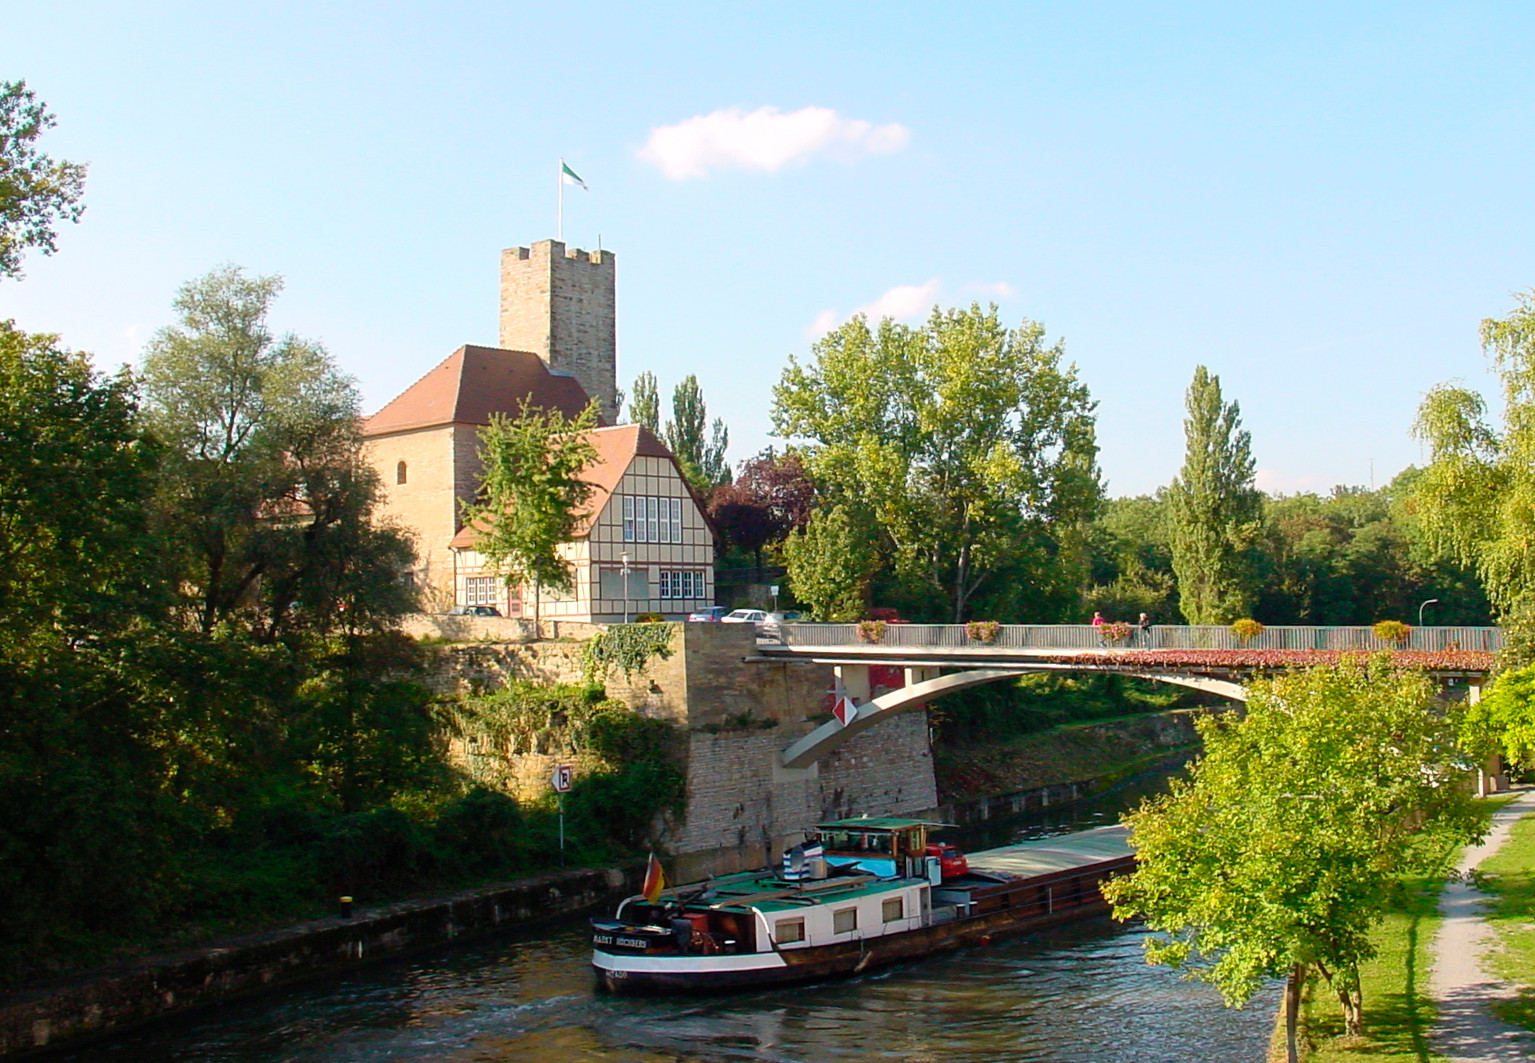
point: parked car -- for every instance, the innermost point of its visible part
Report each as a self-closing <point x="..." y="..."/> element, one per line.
<point x="768" y="625"/>
<point x="712" y="614"/>
<point x="474" y="610"/>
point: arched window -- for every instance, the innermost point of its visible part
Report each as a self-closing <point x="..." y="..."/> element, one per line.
<point x="399" y="473"/>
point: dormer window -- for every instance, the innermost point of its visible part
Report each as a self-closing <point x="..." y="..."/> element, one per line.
<point x="399" y="473"/>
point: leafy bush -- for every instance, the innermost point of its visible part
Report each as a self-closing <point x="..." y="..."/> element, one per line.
<point x="1246" y="629"/>
<point x="481" y="831"/>
<point x="1391" y="631"/>
<point x="983" y="631"/>
<point x="871" y="630"/>
<point x="1116" y="632"/>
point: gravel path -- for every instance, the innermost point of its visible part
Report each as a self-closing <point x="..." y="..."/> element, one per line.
<point x="1467" y="1031"/>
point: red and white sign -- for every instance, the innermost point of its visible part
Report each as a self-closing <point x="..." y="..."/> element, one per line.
<point x="561" y="778"/>
<point x="844" y="710"/>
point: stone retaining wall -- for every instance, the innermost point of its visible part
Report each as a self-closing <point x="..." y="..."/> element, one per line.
<point x="115" y="998"/>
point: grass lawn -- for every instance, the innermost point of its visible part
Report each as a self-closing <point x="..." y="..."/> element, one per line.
<point x="1510" y="877"/>
<point x="1398" y="1013"/>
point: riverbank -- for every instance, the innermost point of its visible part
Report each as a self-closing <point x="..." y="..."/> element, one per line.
<point x="977" y="782"/>
<point x="107" y="1000"/>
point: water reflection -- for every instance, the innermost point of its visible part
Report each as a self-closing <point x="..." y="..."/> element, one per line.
<point x="1074" y="994"/>
<point x="1077" y="993"/>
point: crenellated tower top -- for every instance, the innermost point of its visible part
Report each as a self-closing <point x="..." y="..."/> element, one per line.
<point x="559" y="304"/>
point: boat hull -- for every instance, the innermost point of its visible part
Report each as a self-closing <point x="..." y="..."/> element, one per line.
<point x="639" y="974"/>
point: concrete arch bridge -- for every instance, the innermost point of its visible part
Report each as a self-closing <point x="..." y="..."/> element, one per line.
<point x="1211" y="659"/>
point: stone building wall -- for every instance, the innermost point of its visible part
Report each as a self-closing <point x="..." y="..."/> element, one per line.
<point x="737" y="716"/>
<point x="426" y="501"/>
<point x="560" y="305"/>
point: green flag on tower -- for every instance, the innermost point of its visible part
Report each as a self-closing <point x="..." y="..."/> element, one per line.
<point x="570" y="177"/>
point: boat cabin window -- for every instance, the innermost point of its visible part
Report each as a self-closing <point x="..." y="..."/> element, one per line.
<point x="893" y="909"/>
<point x="844" y="920"/>
<point x="788" y="931"/>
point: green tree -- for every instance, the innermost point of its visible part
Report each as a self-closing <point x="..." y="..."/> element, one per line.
<point x="1476" y="498"/>
<point x="829" y="563"/>
<point x="645" y="403"/>
<point x="1278" y="854"/>
<point x="1214" y="508"/>
<point x="1503" y="722"/>
<point x="700" y="451"/>
<point x="267" y="505"/>
<point x="35" y="191"/>
<point x="532" y="494"/>
<point x="967" y="446"/>
<point x="84" y="838"/>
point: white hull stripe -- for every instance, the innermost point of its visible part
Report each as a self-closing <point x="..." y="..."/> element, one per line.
<point x="753" y="961"/>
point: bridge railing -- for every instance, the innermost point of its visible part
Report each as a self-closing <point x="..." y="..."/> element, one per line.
<point x="1161" y="636"/>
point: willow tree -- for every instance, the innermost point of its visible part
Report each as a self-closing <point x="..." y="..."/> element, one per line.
<point x="967" y="446"/>
<point x="1213" y="508"/>
<point x="1281" y="850"/>
<point x="1476" y="497"/>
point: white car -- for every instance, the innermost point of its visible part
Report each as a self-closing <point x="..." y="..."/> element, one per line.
<point x="768" y="625"/>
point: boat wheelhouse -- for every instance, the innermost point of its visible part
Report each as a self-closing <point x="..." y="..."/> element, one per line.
<point x="858" y="893"/>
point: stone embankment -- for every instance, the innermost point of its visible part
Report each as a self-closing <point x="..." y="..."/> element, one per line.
<point x="115" y="998"/>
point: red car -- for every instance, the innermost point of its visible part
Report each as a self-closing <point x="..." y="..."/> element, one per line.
<point x="951" y="862"/>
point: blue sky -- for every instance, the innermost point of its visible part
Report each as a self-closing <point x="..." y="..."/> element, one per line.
<point x="1318" y="201"/>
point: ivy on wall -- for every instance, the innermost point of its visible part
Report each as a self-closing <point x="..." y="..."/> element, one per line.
<point x="627" y="646"/>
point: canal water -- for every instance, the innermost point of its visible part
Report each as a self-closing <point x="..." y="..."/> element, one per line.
<point x="1080" y="993"/>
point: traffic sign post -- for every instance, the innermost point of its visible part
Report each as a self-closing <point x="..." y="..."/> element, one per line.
<point x="560" y="780"/>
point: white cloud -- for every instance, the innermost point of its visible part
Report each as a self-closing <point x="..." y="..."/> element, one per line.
<point x="903" y="302"/>
<point x="1272" y="482"/>
<point x="824" y="322"/>
<point x="766" y="139"/>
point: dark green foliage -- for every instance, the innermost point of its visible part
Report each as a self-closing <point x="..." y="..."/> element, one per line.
<point x="620" y="805"/>
<point x="482" y="831"/>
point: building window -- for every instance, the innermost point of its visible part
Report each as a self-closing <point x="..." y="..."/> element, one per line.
<point x="893" y="909"/>
<point x="480" y="590"/>
<point x="649" y="519"/>
<point x="789" y="931"/>
<point x="611" y="584"/>
<point x="844" y="920"/>
<point x="399" y="473"/>
<point x="684" y="584"/>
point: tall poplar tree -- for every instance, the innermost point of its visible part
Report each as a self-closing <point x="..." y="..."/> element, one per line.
<point x="699" y="446"/>
<point x="645" y="402"/>
<point x="1214" y="509"/>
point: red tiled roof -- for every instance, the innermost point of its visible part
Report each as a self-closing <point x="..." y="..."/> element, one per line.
<point x="471" y="384"/>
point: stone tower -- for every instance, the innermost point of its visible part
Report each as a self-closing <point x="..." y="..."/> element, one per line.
<point x="559" y="305"/>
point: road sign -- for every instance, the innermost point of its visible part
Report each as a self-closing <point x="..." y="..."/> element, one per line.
<point x="561" y="777"/>
<point x="844" y="710"/>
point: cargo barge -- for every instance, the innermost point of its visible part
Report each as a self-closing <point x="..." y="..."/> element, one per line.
<point x="858" y="894"/>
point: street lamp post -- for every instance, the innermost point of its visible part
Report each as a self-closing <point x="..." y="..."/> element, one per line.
<point x="1431" y="601"/>
<point x="624" y="557"/>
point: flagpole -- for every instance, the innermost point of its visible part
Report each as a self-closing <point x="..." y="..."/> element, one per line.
<point x="559" y="217"/>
